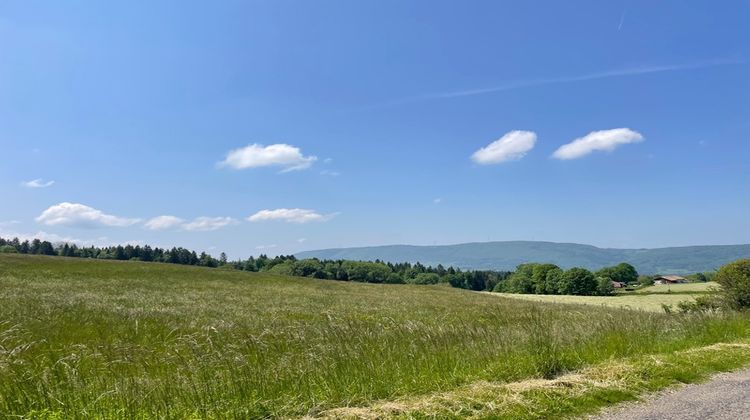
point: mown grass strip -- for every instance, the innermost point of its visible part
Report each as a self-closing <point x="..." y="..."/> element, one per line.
<point x="579" y="393"/>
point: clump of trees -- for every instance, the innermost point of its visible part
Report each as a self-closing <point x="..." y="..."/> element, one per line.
<point x="734" y="279"/>
<point x="734" y="293"/>
<point x="549" y="279"/>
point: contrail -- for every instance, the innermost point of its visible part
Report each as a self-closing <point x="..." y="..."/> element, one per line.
<point x="518" y="84"/>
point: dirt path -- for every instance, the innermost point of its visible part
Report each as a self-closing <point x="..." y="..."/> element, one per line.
<point x="726" y="396"/>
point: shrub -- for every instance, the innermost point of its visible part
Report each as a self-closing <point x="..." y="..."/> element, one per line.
<point x="425" y="278"/>
<point x="7" y="249"/>
<point x="605" y="287"/>
<point x="284" y="268"/>
<point x="734" y="279"/>
<point x="394" y="278"/>
<point x="646" y="280"/>
<point x="708" y="303"/>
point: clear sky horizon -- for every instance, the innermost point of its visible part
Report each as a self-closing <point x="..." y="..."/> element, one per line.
<point x="281" y="126"/>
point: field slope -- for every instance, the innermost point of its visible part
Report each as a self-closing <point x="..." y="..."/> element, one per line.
<point x="105" y="339"/>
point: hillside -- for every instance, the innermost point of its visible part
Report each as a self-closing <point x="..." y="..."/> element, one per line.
<point x="507" y="255"/>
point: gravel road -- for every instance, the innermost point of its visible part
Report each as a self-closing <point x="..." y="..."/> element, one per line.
<point x="726" y="396"/>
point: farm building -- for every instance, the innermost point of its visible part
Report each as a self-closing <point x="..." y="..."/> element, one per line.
<point x="669" y="280"/>
<point x="618" y="284"/>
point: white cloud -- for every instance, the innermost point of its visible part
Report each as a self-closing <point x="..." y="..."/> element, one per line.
<point x="37" y="183"/>
<point x="9" y="223"/>
<point x="290" y="215"/>
<point x="605" y="140"/>
<point x="266" y="246"/>
<point x="327" y="160"/>
<point x="257" y="155"/>
<point x="163" y="222"/>
<point x="74" y="214"/>
<point x="512" y="146"/>
<point x="330" y="173"/>
<point x="208" y="223"/>
<point x="437" y="200"/>
<point x="301" y="240"/>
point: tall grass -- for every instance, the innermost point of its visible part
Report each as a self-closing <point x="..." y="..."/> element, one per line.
<point x="119" y="339"/>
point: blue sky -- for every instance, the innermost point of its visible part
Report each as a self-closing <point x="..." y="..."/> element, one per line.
<point x="280" y="126"/>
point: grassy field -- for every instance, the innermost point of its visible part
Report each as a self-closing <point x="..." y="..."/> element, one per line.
<point x="82" y="338"/>
<point x="650" y="298"/>
<point x="679" y="288"/>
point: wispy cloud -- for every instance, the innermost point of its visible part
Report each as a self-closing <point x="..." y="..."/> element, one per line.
<point x="623" y="72"/>
<point x="37" y="183"/>
<point x="291" y="216"/>
<point x="163" y="222"/>
<point x="205" y="224"/>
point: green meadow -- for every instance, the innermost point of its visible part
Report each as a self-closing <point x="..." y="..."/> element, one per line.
<point x="85" y="338"/>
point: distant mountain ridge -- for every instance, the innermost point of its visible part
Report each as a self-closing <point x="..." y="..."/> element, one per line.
<point x="507" y="255"/>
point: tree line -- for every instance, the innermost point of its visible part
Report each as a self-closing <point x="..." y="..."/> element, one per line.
<point x="128" y="252"/>
<point x="374" y="271"/>
<point x="527" y="278"/>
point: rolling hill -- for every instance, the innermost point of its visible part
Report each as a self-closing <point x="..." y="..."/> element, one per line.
<point x="507" y="255"/>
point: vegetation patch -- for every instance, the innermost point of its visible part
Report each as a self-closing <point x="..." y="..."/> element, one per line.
<point x="583" y="392"/>
<point x="83" y="338"/>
